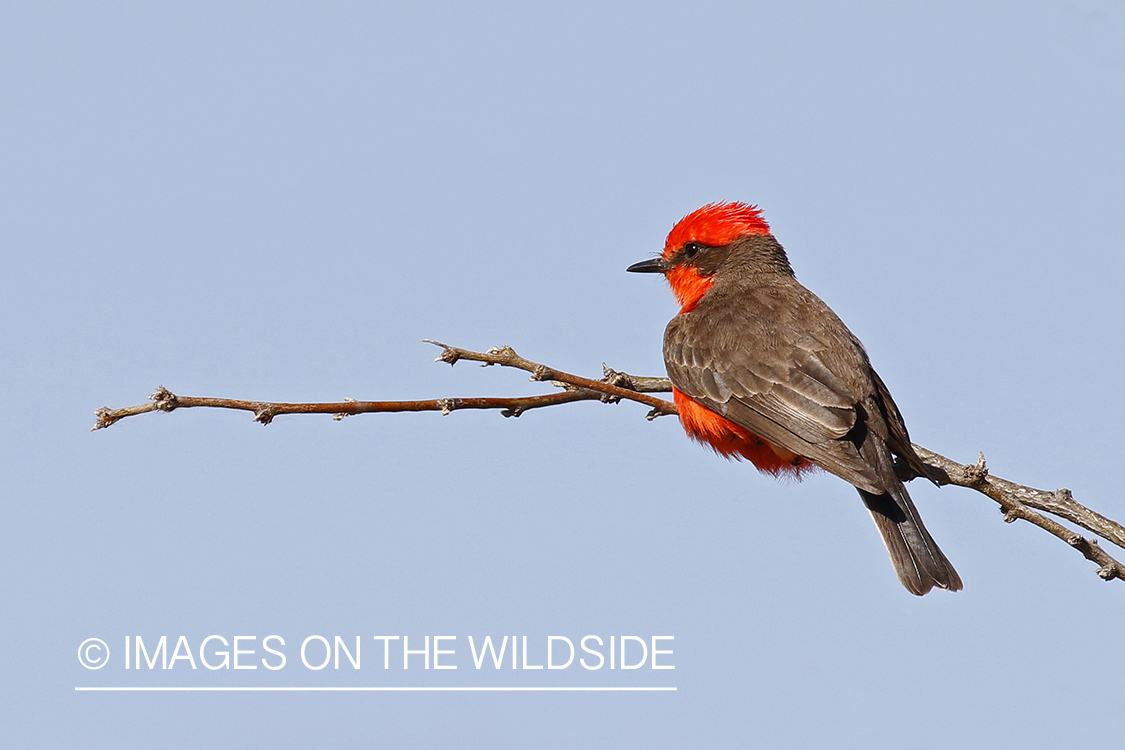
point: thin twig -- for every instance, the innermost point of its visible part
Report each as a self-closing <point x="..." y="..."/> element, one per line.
<point x="1016" y="501"/>
<point x="265" y="411"/>
<point x="507" y="357"/>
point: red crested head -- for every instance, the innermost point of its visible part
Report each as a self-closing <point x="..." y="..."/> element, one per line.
<point x="716" y="224"/>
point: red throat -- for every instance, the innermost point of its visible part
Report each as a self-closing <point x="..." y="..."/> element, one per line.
<point x="688" y="285"/>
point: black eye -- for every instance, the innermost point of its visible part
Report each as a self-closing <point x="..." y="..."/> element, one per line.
<point x="692" y="249"/>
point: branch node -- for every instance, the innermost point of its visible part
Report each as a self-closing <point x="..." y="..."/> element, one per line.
<point x="502" y="352"/>
<point x="514" y="411"/>
<point x="163" y="399"/>
<point x="1063" y="495"/>
<point x="1077" y="540"/>
<point x="447" y="406"/>
<point x="339" y="416"/>
<point x="1109" y="571"/>
<point x="1010" y="514"/>
<point x="619" y="379"/>
<point x="978" y="472"/>
<point x="541" y="372"/>
<point x="264" y="413"/>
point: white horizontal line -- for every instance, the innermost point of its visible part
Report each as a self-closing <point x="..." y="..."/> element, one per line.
<point x="372" y="689"/>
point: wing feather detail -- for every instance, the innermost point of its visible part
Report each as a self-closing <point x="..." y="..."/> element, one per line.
<point x="806" y="409"/>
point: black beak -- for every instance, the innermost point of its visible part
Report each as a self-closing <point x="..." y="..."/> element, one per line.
<point x="656" y="265"/>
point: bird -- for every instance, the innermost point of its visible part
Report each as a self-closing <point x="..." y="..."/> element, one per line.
<point x="762" y="369"/>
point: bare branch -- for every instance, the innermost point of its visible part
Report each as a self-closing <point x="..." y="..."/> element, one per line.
<point x="1016" y="501"/>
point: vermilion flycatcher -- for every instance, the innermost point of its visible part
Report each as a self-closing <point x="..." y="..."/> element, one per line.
<point x="762" y="369"/>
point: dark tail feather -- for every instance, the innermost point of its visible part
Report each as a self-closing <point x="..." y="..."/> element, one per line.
<point x="918" y="561"/>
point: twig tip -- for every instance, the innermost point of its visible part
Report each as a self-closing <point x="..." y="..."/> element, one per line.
<point x="448" y="353"/>
<point x="105" y="417"/>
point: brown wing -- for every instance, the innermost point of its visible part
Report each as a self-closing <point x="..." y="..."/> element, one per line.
<point x="799" y="387"/>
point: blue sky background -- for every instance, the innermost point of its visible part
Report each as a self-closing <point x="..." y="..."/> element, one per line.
<point x="280" y="201"/>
